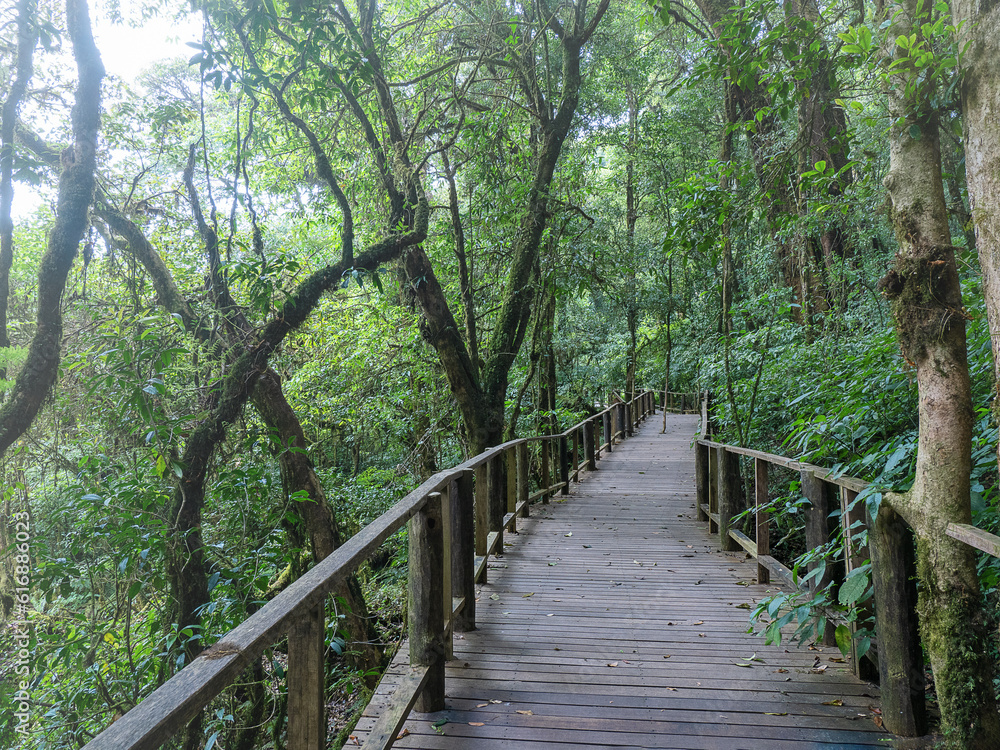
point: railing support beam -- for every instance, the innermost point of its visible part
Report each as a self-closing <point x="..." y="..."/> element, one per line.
<point x="307" y="682"/>
<point x="463" y="550"/>
<point x="426" y="601"/>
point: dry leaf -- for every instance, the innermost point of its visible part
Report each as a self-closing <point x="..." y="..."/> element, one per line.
<point x="834" y="702"/>
<point x="495" y="597"/>
<point x="495" y="701"/>
<point x="667" y="656"/>
<point x="526" y="713"/>
<point x="525" y="596"/>
<point x="878" y="721"/>
<point x="613" y="664"/>
<point x="771" y="713"/>
<point x="354" y="739"/>
<point x="700" y="622"/>
<point x="819" y="670"/>
<point x="402" y="734"/>
<point x="477" y="724"/>
<point x="672" y="690"/>
<point x="781" y="671"/>
<point x="701" y="635"/>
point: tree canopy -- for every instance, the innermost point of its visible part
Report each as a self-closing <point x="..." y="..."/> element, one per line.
<point x="251" y="294"/>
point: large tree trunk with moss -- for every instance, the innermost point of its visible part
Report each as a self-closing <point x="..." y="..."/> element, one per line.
<point x="926" y="297"/>
<point x="980" y="30"/>
<point x="76" y="191"/>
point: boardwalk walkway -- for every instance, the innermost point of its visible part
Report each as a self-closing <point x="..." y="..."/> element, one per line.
<point x="613" y="621"/>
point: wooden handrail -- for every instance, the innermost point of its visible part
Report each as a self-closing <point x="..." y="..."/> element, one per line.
<point x="892" y="572"/>
<point x="472" y="530"/>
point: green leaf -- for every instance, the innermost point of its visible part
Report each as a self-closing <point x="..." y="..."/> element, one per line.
<point x="915" y="132"/>
<point x="843" y="635"/>
<point x="852" y="589"/>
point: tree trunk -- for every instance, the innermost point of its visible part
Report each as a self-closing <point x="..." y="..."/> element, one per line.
<point x="980" y="30"/>
<point x="76" y="192"/>
<point x="27" y="37"/>
<point x="297" y="476"/>
<point x="926" y="297"/>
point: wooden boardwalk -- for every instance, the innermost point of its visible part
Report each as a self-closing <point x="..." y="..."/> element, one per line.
<point x="613" y="621"/>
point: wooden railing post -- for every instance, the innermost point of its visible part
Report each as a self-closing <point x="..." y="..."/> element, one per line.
<point x="588" y="445"/>
<point x="760" y="499"/>
<point x="546" y="473"/>
<point x="701" y="480"/>
<point x="522" y="478"/>
<point x="306" y="681"/>
<point x="609" y="430"/>
<point x="713" y="488"/>
<point x="576" y="455"/>
<point x="463" y="550"/>
<point x="852" y="523"/>
<point x="497" y="498"/>
<point x="564" y="465"/>
<point x="820" y="529"/>
<point x="482" y="513"/>
<point x="425" y="608"/>
<point x="730" y="497"/>
<point x="900" y="658"/>
<point x="510" y="456"/>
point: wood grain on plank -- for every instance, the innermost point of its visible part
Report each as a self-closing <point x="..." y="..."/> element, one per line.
<point x="613" y="620"/>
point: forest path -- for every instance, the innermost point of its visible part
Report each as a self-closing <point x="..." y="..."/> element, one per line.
<point x="613" y="621"/>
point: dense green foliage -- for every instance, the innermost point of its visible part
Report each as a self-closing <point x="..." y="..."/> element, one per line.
<point x="692" y="238"/>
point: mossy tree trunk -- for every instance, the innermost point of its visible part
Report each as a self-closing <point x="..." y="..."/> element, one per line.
<point x="980" y="31"/>
<point x="76" y="191"/>
<point x="924" y="289"/>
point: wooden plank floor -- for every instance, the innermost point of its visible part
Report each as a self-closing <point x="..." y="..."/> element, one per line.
<point x="613" y="621"/>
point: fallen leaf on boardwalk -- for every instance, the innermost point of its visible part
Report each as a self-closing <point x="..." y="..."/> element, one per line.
<point x="742" y="664"/>
<point x="439" y="723"/>
<point x="701" y="635"/>
<point x="771" y="713"/>
<point x="838" y="660"/>
<point x="549" y="615"/>
<point x="612" y="664"/>
<point x="402" y="734"/>
<point x="700" y="622"/>
<point x="494" y="597"/>
<point x="551" y="565"/>
<point x="744" y="605"/>
<point x="878" y="721"/>
<point x="526" y="713"/>
<point x="672" y="690"/>
<point x="819" y="670"/>
<point x="495" y="701"/>
<point x="569" y="534"/>
<point x="834" y="702"/>
<point x="781" y="671"/>
<point x="477" y="724"/>
<point x="667" y="656"/>
<point x="586" y="546"/>
<point x="525" y="596"/>
<point x="354" y="739"/>
<point x="482" y="705"/>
